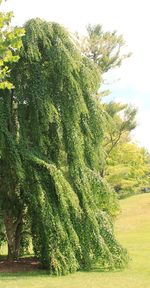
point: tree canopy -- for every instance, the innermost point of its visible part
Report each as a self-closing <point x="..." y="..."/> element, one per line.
<point x="50" y="135"/>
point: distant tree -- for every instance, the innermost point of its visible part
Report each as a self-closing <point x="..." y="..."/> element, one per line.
<point x="10" y="43"/>
<point x="104" y="48"/>
<point x="128" y="169"/>
<point x="120" y="120"/>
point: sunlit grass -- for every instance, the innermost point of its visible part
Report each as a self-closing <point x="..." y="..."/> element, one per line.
<point x="133" y="230"/>
<point x="3" y="249"/>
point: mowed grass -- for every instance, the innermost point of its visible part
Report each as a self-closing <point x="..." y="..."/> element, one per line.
<point x="132" y="229"/>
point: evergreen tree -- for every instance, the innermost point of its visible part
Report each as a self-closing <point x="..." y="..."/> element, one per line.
<point x="104" y="48"/>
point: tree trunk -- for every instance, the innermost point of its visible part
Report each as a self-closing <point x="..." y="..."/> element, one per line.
<point x="18" y="239"/>
<point x="13" y="233"/>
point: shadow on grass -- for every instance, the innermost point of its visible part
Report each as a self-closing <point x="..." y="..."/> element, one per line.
<point x="25" y="274"/>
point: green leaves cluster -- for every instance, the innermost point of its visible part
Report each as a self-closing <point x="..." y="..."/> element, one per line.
<point x="10" y="43"/>
<point x="128" y="169"/>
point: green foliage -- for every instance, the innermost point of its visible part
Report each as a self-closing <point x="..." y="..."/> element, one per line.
<point x="50" y="136"/>
<point x="128" y="169"/>
<point x="10" y="43"/>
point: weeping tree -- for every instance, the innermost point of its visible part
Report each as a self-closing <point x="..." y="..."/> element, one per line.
<point x="50" y="133"/>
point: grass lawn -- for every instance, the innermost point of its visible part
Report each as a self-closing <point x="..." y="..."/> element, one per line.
<point x="133" y="230"/>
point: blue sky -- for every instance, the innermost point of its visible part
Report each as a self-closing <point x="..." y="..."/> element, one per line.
<point x="130" y="18"/>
